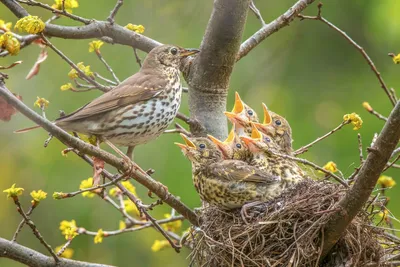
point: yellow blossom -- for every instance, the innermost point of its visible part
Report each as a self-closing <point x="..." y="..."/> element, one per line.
<point x="59" y="195"/>
<point x="99" y="236"/>
<point x="68" y="229"/>
<point x="68" y="252"/>
<point x="10" y="43"/>
<point x="159" y="245"/>
<point x="68" y="5"/>
<point x="5" y="26"/>
<point x="383" y="214"/>
<point x="171" y="226"/>
<point x="330" y="167"/>
<point x="30" y="24"/>
<point x="367" y="106"/>
<point x="13" y="191"/>
<point x="122" y="225"/>
<point x="127" y="184"/>
<point x="355" y="119"/>
<point x="87" y="184"/>
<point x="38" y="196"/>
<point x="136" y="28"/>
<point x="130" y="207"/>
<point x="386" y="181"/>
<point x="73" y="74"/>
<point x="95" y="46"/>
<point x="396" y="59"/>
<point x="66" y="87"/>
<point x="41" y="103"/>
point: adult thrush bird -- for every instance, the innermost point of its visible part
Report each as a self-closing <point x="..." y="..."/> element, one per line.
<point x="232" y="147"/>
<point x="227" y="184"/>
<point x="277" y="127"/>
<point x="140" y="108"/>
<point x="263" y="148"/>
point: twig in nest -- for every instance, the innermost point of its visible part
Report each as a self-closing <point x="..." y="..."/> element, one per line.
<point x="305" y="148"/>
<point x="358" y="47"/>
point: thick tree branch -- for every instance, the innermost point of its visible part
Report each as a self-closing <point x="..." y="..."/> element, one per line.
<point x="33" y="258"/>
<point x="220" y="45"/>
<point x="154" y="186"/>
<point x="272" y="27"/>
<point x="365" y="181"/>
<point x="111" y="33"/>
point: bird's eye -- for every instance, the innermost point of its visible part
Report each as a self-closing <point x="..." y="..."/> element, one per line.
<point x="278" y="122"/>
<point x="267" y="139"/>
<point x="173" y="51"/>
<point x="250" y="112"/>
<point x="202" y="146"/>
<point x="238" y="145"/>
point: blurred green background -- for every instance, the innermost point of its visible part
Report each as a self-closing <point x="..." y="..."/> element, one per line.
<point x="306" y="72"/>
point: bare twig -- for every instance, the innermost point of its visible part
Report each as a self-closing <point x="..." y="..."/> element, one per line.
<point x="107" y="66"/>
<point x="358" y="47"/>
<point x="56" y="11"/>
<point x="35" y="230"/>
<point x="114" y="11"/>
<point x="80" y="191"/>
<point x="315" y="166"/>
<point x="272" y="27"/>
<point x="368" y="107"/>
<point x="21" y="224"/>
<point x="83" y="147"/>
<point x="391" y="163"/>
<point x="360" y="148"/>
<point x="72" y="64"/>
<point x="138" y="60"/>
<point x="104" y="79"/>
<point x="30" y="257"/>
<point x="64" y="247"/>
<point x="305" y="148"/>
<point x="257" y="12"/>
<point x="395" y="152"/>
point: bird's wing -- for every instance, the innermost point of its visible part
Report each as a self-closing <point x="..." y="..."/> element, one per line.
<point x="139" y="87"/>
<point x="235" y="170"/>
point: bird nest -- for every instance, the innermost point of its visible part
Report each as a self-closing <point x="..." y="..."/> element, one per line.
<point x="287" y="231"/>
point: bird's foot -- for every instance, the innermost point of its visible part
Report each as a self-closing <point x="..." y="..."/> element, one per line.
<point x="245" y="208"/>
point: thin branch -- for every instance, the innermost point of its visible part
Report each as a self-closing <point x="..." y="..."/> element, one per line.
<point x="113" y="12"/>
<point x="360" y="148"/>
<point x="96" y="29"/>
<point x="80" y="191"/>
<point x="365" y="181"/>
<point x="391" y="163"/>
<point x="272" y="27"/>
<point x="64" y="247"/>
<point x="104" y="79"/>
<point x="194" y="125"/>
<point x="305" y="148"/>
<point x="358" y="47"/>
<point x="368" y="108"/>
<point x="35" y="230"/>
<point x="56" y="11"/>
<point x="257" y="12"/>
<point x="30" y="257"/>
<point x="107" y="66"/>
<point x="120" y="164"/>
<point x="315" y="166"/>
<point x="21" y="224"/>
<point x="138" y="60"/>
<point x="395" y="152"/>
<point x="72" y="64"/>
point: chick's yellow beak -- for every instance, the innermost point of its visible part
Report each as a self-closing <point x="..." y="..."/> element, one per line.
<point x="188" y="144"/>
<point x="239" y="106"/>
<point x="267" y="115"/>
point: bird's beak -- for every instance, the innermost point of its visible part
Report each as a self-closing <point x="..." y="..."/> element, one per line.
<point x="188" y="52"/>
<point x="234" y="118"/>
<point x="267" y="115"/>
<point x="238" y="107"/>
<point x="222" y="146"/>
<point x="188" y="144"/>
<point x="266" y="129"/>
<point x="248" y="140"/>
<point x="255" y="133"/>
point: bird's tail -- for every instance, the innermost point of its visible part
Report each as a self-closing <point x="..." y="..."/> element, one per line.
<point x="27" y="129"/>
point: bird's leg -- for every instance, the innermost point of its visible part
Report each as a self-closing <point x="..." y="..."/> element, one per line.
<point x="245" y="207"/>
<point x="128" y="161"/>
<point x="129" y="152"/>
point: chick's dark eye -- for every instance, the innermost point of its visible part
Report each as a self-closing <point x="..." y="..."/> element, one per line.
<point x="267" y="139"/>
<point x="278" y="122"/>
<point x="250" y="112"/>
<point x="202" y="146"/>
<point x="238" y="145"/>
<point x="174" y="51"/>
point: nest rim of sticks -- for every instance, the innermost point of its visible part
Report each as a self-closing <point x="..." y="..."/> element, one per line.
<point x="287" y="231"/>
